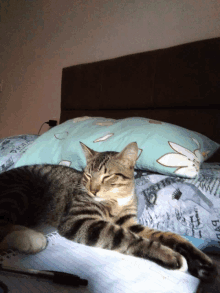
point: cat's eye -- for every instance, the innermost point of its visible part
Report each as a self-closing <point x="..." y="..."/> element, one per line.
<point x="106" y="177"/>
<point x="122" y="176"/>
<point x="113" y="178"/>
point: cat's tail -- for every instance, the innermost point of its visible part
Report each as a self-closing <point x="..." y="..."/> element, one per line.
<point x="12" y="197"/>
<point x="15" y="186"/>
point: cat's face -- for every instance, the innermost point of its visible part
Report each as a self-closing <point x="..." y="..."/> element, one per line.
<point x="110" y="175"/>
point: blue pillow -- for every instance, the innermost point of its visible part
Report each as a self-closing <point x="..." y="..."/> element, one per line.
<point x="164" y="148"/>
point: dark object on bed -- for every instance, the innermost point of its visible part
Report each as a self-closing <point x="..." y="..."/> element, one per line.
<point x="178" y="85"/>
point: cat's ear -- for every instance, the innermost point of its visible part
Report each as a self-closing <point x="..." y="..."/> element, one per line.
<point x="89" y="154"/>
<point x="129" y="154"/>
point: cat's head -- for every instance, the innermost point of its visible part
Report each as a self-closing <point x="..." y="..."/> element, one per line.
<point x="110" y="175"/>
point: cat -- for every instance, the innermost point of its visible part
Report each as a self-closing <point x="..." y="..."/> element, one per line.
<point x="96" y="207"/>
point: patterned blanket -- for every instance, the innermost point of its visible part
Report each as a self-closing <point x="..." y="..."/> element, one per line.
<point x="186" y="206"/>
<point x="12" y="148"/>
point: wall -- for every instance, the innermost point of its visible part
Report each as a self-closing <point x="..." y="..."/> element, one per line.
<point x="40" y="37"/>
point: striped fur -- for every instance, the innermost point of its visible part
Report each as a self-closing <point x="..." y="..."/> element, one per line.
<point x="97" y="207"/>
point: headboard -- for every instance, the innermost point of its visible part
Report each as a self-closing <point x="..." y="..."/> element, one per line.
<point x="179" y="85"/>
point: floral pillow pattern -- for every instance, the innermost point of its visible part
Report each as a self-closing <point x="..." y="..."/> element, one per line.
<point x="184" y="160"/>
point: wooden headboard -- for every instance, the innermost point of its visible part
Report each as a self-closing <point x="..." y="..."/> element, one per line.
<point x="179" y="85"/>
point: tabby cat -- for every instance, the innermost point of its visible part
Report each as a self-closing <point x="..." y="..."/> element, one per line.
<point x="97" y="207"/>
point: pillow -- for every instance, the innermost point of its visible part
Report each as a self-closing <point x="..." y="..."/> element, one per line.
<point x="189" y="207"/>
<point x="12" y="148"/>
<point x="164" y="148"/>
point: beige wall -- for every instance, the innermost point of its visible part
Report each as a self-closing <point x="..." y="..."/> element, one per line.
<point x="41" y="37"/>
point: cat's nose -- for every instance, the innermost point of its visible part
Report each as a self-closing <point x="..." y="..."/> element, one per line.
<point x="94" y="190"/>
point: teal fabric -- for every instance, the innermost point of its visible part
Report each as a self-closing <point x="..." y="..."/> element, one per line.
<point x="164" y="148"/>
<point x="205" y="245"/>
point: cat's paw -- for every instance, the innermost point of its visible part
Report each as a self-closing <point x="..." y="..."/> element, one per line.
<point x="171" y="259"/>
<point x="164" y="256"/>
<point x="199" y="264"/>
<point x="25" y="241"/>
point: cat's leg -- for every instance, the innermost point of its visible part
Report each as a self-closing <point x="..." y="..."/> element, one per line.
<point x="22" y="239"/>
<point x="199" y="264"/>
<point x="104" y="234"/>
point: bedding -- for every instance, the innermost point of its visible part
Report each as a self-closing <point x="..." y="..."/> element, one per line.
<point x="189" y="207"/>
<point x="12" y="148"/>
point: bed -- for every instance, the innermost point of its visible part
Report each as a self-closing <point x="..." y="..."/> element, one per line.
<point x="168" y="102"/>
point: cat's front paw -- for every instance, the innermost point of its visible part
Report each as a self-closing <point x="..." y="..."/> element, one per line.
<point x="199" y="264"/>
<point x="163" y="256"/>
<point x="172" y="260"/>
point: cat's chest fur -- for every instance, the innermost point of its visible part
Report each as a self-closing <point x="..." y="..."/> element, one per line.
<point x="118" y="207"/>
